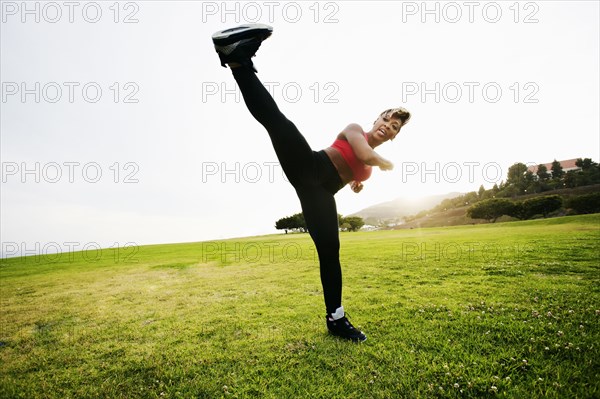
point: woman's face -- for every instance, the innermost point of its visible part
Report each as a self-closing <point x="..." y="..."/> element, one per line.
<point x="386" y="128"/>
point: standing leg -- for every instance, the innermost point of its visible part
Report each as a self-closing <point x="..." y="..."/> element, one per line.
<point x="320" y="214"/>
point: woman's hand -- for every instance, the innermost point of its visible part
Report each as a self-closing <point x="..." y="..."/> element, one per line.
<point x="356" y="186"/>
<point x="384" y="164"/>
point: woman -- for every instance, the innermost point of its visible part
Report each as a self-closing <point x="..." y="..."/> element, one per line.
<point x="316" y="176"/>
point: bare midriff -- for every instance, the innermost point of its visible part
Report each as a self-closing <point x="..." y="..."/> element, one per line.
<point x="340" y="164"/>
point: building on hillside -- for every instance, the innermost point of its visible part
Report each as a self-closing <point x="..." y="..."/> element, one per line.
<point x="368" y="227"/>
<point x="567" y="165"/>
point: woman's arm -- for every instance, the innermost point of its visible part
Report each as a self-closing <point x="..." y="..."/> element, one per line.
<point x="354" y="134"/>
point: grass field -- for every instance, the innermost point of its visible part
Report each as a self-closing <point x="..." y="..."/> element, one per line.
<point x="497" y="310"/>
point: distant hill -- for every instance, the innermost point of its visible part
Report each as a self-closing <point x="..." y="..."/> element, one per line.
<point x="458" y="216"/>
<point x="393" y="212"/>
<point x="450" y="217"/>
<point x="396" y="209"/>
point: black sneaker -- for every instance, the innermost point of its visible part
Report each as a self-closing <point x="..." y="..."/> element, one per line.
<point x="344" y="329"/>
<point x="239" y="44"/>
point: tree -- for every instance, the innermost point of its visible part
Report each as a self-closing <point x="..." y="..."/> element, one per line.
<point x="345" y="226"/>
<point x="570" y="180"/>
<point x="538" y="182"/>
<point x="509" y="191"/>
<point x="529" y="182"/>
<point x="542" y="173"/>
<point x="588" y="175"/>
<point x="557" y="170"/>
<point x="518" y="178"/>
<point x="481" y="191"/>
<point x="284" y="224"/>
<point x="518" y="211"/>
<point x="540" y="206"/>
<point x="588" y="203"/>
<point x="295" y="223"/>
<point x="352" y="223"/>
<point x="594" y="173"/>
<point x="470" y="198"/>
<point x="534" y="187"/>
<point x="585" y="164"/>
<point x="300" y="222"/>
<point x="490" y="209"/>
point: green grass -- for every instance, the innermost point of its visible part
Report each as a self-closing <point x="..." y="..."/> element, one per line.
<point x="498" y="310"/>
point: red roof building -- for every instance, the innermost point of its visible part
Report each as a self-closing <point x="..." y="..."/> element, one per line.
<point x="567" y="165"/>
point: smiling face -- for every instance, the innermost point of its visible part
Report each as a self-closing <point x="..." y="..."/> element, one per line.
<point x="388" y="125"/>
<point x="385" y="128"/>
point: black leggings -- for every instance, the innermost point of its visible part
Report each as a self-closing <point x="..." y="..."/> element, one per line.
<point x="312" y="174"/>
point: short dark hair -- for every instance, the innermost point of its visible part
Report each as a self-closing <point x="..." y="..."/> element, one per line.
<point x="399" y="113"/>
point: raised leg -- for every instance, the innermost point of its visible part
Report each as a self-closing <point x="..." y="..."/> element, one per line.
<point x="292" y="149"/>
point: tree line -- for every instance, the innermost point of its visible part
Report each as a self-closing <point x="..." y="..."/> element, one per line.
<point x="491" y="209"/>
<point x="521" y="181"/>
<point x="296" y="223"/>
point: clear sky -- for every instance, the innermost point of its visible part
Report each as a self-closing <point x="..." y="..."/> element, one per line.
<point x="118" y="124"/>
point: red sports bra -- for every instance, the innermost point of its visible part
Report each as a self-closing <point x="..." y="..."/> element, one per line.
<point x="360" y="171"/>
